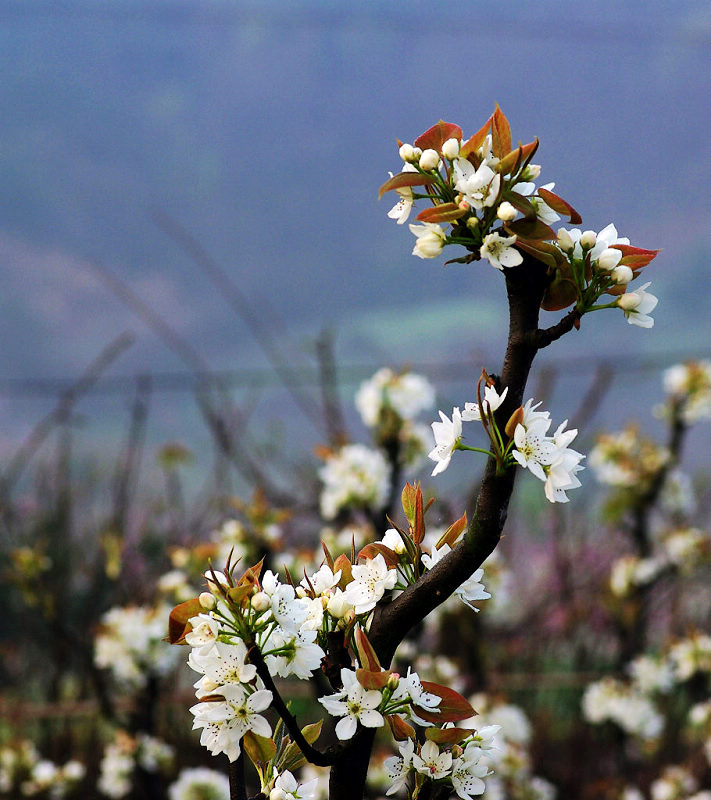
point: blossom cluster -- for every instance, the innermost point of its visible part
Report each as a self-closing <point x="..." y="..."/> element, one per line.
<point x="23" y="772"/>
<point x="547" y="457"/>
<point x="121" y="757"/>
<point x="129" y="643"/>
<point x="627" y="459"/>
<point x="355" y="476"/>
<point x="688" y="391"/>
<point x="633" y="703"/>
<point x="482" y="195"/>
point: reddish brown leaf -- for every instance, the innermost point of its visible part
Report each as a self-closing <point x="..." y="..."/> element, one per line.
<point x="418" y="533"/>
<point x="444" y="212"/>
<point x="373" y="679"/>
<point x="392" y="559"/>
<point x="453" y="532"/>
<point x="344" y="564"/>
<point x="178" y="624"/>
<point x="366" y="654"/>
<point x="405" y="179"/>
<point x="635" y="257"/>
<point x="473" y="144"/>
<point x="548" y="253"/>
<point x="453" y="706"/>
<point x="561" y="293"/>
<point x="500" y="134"/>
<point x="521" y="203"/>
<point x="437" y="135"/>
<point x="400" y="729"/>
<point x="559" y="205"/>
<point x="447" y="736"/>
<point x="531" y="229"/>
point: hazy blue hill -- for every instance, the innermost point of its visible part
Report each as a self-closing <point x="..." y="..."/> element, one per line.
<point x="265" y="130"/>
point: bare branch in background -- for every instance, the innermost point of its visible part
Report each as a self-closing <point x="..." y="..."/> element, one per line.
<point x="67" y="399"/>
<point x="245" y="310"/>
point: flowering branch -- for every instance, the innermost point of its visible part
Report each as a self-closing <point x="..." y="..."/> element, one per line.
<point x="311" y="753"/>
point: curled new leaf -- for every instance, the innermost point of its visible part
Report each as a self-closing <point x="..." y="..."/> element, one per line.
<point x="178" y="624"/>
<point x="474" y="143"/>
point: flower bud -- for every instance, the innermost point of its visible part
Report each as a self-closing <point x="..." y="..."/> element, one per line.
<point x="429" y="160"/>
<point x="629" y="301"/>
<point x="622" y="274"/>
<point x="207" y="600"/>
<point x="338" y="606"/>
<point x="393" y="681"/>
<point x="531" y="172"/>
<point x="416" y="153"/>
<point x="588" y="240"/>
<point x="609" y="259"/>
<point x="407" y="153"/>
<point x="506" y="212"/>
<point x="450" y="149"/>
<point x="565" y="241"/>
<point x="473" y="223"/>
<point x="277" y="793"/>
<point x="261" y="601"/>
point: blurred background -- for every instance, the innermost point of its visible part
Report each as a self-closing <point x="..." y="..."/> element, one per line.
<point x="197" y="274"/>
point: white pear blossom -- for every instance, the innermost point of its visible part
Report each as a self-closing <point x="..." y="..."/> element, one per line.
<point x="406" y="393"/>
<point x="401" y="210"/>
<point x="472" y="590"/>
<point x="354" y="704"/>
<point x="355" y="476"/>
<point x="467" y="773"/>
<point x="637" y="306"/>
<point x="286" y="787"/>
<point x="200" y="782"/>
<point x="491" y="401"/>
<point x="223" y="663"/>
<point x="534" y="449"/>
<point x="499" y="251"/>
<point x="431" y="762"/>
<point x="225" y="722"/>
<point x="370" y="582"/>
<point x="430" y="240"/>
<point x="447" y="434"/>
<point x="398" y="767"/>
<point x="480" y="187"/>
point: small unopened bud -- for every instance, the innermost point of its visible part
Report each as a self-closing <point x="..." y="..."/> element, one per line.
<point x="207" y="600"/>
<point x="588" y="240"/>
<point x="622" y="275"/>
<point x="393" y="681"/>
<point x="506" y="212"/>
<point x="473" y="223"/>
<point x="407" y="153"/>
<point x="450" y="149"/>
<point x="338" y="606"/>
<point x="260" y="601"/>
<point x="565" y="242"/>
<point x="349" y="617"/>
<point x="609" y="258"/>
<point x="629" y="301"/>
<point x="463" y="204"/>
<point x="429" y="160"/>
<point x="277" y="794"/>
<point x="300" y="591"/>
<point x="416" y="153"/>
<point x="532" y="172"/>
